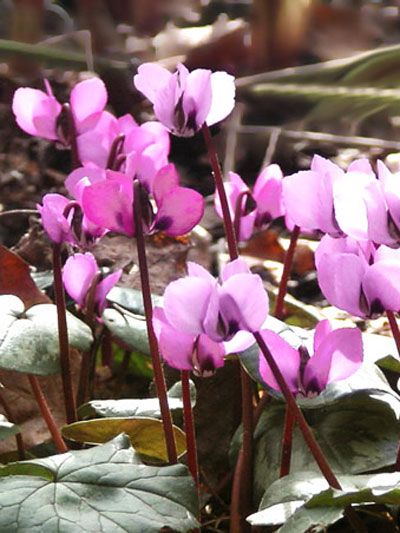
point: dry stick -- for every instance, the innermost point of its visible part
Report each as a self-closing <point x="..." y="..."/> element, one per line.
<point x="189" y="427"/>
<point x="308" y="435"/>
<point x="13" y="212"/>
<point x="18" y="436"/>
<point x="243" y="497"/>
<point x="148" y="308"/>
<point x="70" y="406"/>
<point x="396" y="336"/>
<point x="46" y="414"/>
<point x="297" y="413"/>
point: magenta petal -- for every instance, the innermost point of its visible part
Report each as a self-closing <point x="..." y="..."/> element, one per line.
<point x="267" y="193"/>
<point x="150" y="79"/>
<point x="56" y="225"/>
<point x="381" y="286"/>
<point x="286" y="357"/>
<point x="167" y="178"/>
<point x="78" y="274"/>
<point x="208" y="356"/>
<point x="88" y="100"/>
<point x="179" y="212"/>
<point x="104" y="287"/>
<point x="321" y="331"/>
<point x="340" y="277"/>
<point x="36" y="112"/>
<point x="338" y="356"/>
<point x="83" y="177"/>
<point x="223" y="97"/>
<point x="185" y="303"/>
<point x="176" y="347"/>
<point x="108" y="204"/>
<point x="243" y="302"/>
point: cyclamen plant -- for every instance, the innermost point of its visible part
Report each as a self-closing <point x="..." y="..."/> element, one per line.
<point x="124" y="183"/>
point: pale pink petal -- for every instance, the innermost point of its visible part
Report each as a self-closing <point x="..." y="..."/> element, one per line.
<point x="104" y="287"/>
<point x="391" y="190"/>
<point x="381" y="286"/>
<point x="321" y="331"/>
<point x="267" y="193"/>
<point x="223" y="97"/>
<point x="338" y="356"/>
<point x="237" y="266"/>
<point x="36" y="112"/>
<point x="150" y="79"/>
<point x="378" y="215"/>
<point x="198" y="271"/>
<point x="239" y="342"/>
<point x="197" y="97"/>
<point x="285" y="356"/>
<point x="208" y="356"/>
<point x="361" y="165"/>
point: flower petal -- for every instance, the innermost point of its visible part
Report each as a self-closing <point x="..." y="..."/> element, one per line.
<point x="88" y="100"/>
<point x="267" y="193"/>
<point x="179" y="212"/>
<point x="78" y="274"/>
<point x="237" y="266"/>
<point x="223" y="97"/>
<point x="104" y="287"/>
<point x="56" y="225"/>
<point x="286" y="357"/>
<point x="150" y="79"/>
<point x="337" y="357"/>
<point x="321" y="331"/>
<point x="208" y="356"/>
<point x="196" y="102"/>
<point x="36" y="112"/>
<point x="381" y="286"/>
<point x="176" y="347"/>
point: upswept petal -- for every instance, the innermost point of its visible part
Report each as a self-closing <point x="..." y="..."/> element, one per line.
<point x="361" y="165"/>
<point x="165" y="105"/>
<point x="108" y="204"/>
<point x="88" y="100"/>
<point x="196" y="102"/>
<point x="381" y="285"/>
<point x="193" y="269"/>
<point x="150" y="79"/>
<point x="322" y="329"/>
<point x="267" y="193"/>
<point x="391" y="190"/>
<point x="186" y="302"/>
<point x="176" y="347"/>
<point x="378" y="215"/>
<point x="239" y="342"/>
<point x="78" y="273"/>
<point x="166" y="179"/>
<point x="286" y="357"/>
<point x="243" y="302"/>
<point x="104" y="287"/>
<point x="337" y="357"/>
<point x="83" y="177"/>
<point x="179" y="211"/>
<point x="36" y="112"/>
<point x="237" y="266"/>
<point x="223" y="97"/>
<point x="340" y="278"/>
<point x="56" y="225"/>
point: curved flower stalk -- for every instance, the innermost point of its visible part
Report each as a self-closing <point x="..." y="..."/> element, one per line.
<point x="184" y="101"/>
<point x="203" y="320"/>
<point x="358" y="277"/>
<point x="179" y="209"/>
<point x="81" y="277"/>
<point x="256" y="208"/>
<point x="337" y="355"/>
<point x="38" y="112"/>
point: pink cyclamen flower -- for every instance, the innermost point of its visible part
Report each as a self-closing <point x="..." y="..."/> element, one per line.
<point x="258" y="207"/>
<point x="203" y="320"/>
<point x="57" y="218"/>
<point x="179" y="209"/>
<point x="37" y="112"/>
<point x="185" y="100"/>
<point x="337" y="355"/>
<point x="358" y="277"/>
<point x="327" y="199"/>
<point x="79" y="273"/>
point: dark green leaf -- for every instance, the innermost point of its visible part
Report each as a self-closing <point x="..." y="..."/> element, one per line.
<point x="103" y="489"/>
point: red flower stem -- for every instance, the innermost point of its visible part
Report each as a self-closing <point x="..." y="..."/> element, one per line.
<point x="148" y="308"/>
<point x="72" y="136"/>
<point x="189" y="427"/>
<point x="245" y="466"/>
<point x="219" y="184"/>
<point x="46" y="414"/>
<point x="308" y="435"/>
<point x="287" y="267"/>
<point x="115" y="151"/>
<point x="70" y="407"/>
<point x="287" y="439"/>
<point x="18" y="437"/>
<point x="396" y="336"/>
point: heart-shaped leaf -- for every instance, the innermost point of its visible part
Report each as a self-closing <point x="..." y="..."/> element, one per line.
<point x="130" y="329"/>
<point x="357" y="434"/>
<point x="146" y="434"/>
<point x="7" y="429"/>
<point x="102" y="489"/>
<point x="29" y="338"/>
<point x="135" y="407"/>
<point x="131" y="299"/>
